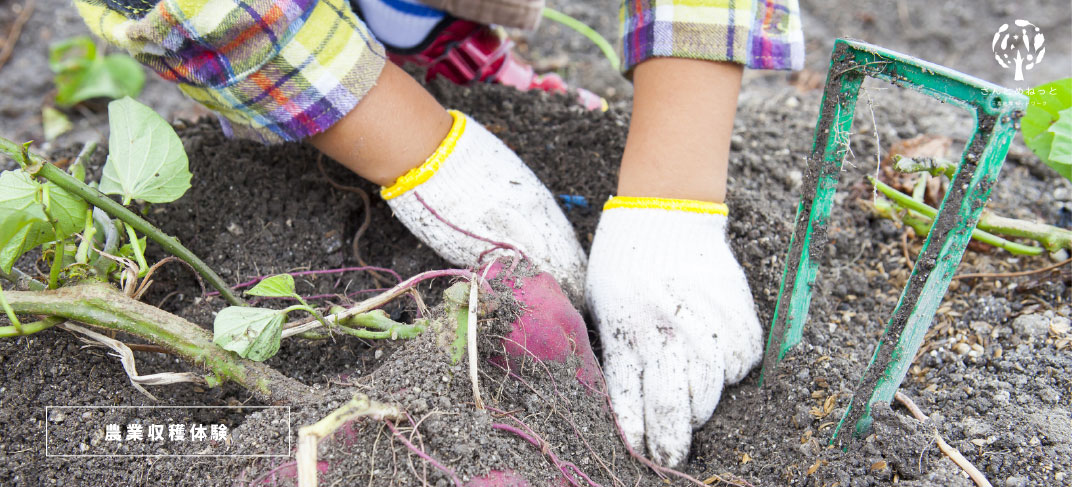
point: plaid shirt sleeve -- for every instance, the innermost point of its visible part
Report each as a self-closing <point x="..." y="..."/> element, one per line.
<point x="274" y="70"/>
<point x="763" y="34"/>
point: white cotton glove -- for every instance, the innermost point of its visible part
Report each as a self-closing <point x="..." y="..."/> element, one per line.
<point x="675" y="315"/>
<point x="481" y="187"/>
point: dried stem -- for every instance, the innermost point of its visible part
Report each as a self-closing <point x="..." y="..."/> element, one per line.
<point x="952" y="453"/>
<point x="126" y="357"/>
<point x="471" y="335"/>
<point x="16" y="30"/>
<point x="1014" y="274"/>
<point x="309" y="436"/>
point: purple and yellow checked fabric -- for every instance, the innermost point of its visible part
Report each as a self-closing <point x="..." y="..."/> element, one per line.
<point x="275" y="70"/>
<point x="283" y="70"/>
<point x="762" y="34"/>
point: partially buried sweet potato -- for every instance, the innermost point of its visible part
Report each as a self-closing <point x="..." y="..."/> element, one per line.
<point x="549" y="328"/>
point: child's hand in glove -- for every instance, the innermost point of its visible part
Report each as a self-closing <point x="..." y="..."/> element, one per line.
<point x="471" y="180"/>
<point x="489" y="197"/>
<point x="675" y="316"/>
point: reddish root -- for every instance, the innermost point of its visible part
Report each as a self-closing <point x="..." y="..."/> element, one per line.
<point x="424" y="456"/>
<point x="659" y="470"/>
<point x="532" y="437"/>
<point x="495" y="244"/>
<point x="561" y="397"/>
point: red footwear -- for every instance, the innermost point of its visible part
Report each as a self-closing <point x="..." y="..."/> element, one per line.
<point x="466" y="52"/>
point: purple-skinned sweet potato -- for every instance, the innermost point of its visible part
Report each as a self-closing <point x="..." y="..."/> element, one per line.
<point x="549" y="328"/>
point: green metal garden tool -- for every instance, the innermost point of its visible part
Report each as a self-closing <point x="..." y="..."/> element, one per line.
<point x="996" y="111"/>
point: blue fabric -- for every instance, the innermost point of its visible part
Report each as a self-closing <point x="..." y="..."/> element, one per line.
<point x="413" y="8"/>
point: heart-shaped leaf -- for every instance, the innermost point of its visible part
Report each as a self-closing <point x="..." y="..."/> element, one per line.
<point x="253" y="333"/>
<point x="68" y="210"/>
<point x="1061" y="146"/>
<point x="146" y="160"/>
<point x="81" y="74"/>
<point x="18" y="191"/>
<point x="17" y="234"/>
<point x="277" y="286"/>
<point x="1046" y="125"/>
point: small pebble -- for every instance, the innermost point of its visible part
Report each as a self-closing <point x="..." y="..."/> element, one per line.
<point x="796" y="177"/>
<point x="1016" y="481"/>
<point x="736" y="142"/>
<point x="332" y="244"/>
<point x="1033" y="325"/>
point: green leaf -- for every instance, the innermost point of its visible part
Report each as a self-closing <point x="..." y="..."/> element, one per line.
<point x="128" y="75"/>
<point x="127" y="250"/>
<point x="16" y="229"/>
<point x="55" y="123"/>
<point x="81" y="74"/>
<point x="68" y="210"/>
<point x="20" y="194"/>
<point x="18" y="191"/>
<point x="1060" y="158"/>
<point x="71" y="54"/>
<point x="253" y="333"/>
<point x="1049" y="103"/>
<point x="93" y="81"/>
<point x="146" y="160"/>
<point x="277" y="286"/>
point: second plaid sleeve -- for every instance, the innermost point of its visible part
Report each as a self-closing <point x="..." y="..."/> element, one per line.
<point x="762" y="34"/>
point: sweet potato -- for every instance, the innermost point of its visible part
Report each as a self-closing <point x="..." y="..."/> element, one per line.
<point x="549" y="328"/>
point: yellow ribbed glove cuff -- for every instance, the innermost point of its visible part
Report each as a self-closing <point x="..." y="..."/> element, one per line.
<point x="691" y="206"/>
<point x="418" y="175"/>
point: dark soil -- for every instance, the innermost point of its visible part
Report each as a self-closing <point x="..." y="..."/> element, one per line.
<point x="993" y="373"/>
